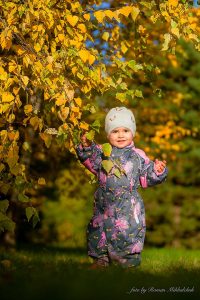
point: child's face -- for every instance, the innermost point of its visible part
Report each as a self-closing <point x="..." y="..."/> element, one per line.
<point x="120" y="137"/>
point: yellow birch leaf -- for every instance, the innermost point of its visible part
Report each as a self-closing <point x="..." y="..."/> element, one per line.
<point x="4" y="108"/>
<point x="167" y="39"/>
<point x="83" y="55"/>
<point x="110" y="14"/>
<point x="59" y="27"/>
<point x="75" y="109"/>
<point x="11" y="118"/>
<point x="46" y="96"/>
<point x="86" y="88"/>
<point x="99" y="15"/>
<point x="41" y="181"/>
<point x="19" y="50"/>
<point x="25" y="80"/>
<point x="135" y="12"/>
<point x="7" y="97"/>
<point x="84" y="126"/>
<point x="116" y="16"/>
<point x="78" y="101"/>
<point x="60" y="100"/>
<point x="123" y="47"/>
<point x="86" y="17"/>
<point x="64" y="112"/>
<point x="3" y="74"/>
<point x="175" y="31"/>
<point x="12" y="66"/>
<point x="79" y="37"/>
<point x="28" y="108"/>
<point x="91" y="59"/>
<point x="173" y="3"/>
<point x="26" y="60"/>
<point x="79" y="75"/>
<point x="61" y="37"/>
<point x="9" y="82"/>
<point x="34" y="121"/>
<point x="125" y="11"/>
<point x="50" y="67"/>
<point x="193" y="37"/>
<point x="37" y="47"/>
<point x="16" y="90"/>
<point x="75" y="5"/>
<point x="47" y="138"/>
<point x="74" y="70"/>
<point x="105" y="36"/>
<point x="73" y="119"/>
<point x="82" y="28"/>
<point x="72" y="20"/>
<point x="13" y="135"/>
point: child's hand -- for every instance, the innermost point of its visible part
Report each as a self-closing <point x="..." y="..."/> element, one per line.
<point x="159" y="165"/>
<point x="85" y="142"/>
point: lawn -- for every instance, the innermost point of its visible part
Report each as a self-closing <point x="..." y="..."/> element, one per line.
<point x="62" y="273"/>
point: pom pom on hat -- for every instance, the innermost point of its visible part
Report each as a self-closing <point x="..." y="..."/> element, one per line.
<point x="120" y="117"/>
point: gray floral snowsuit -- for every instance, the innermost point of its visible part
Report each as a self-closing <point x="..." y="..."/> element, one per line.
<point x="117" y="229"/>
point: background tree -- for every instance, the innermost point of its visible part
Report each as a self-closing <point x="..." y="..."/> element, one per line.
<point x="50" y="78"/>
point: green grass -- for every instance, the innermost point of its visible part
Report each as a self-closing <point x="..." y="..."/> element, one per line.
<point x="61" y="273"/>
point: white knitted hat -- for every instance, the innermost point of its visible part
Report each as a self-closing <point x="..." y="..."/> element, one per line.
<point x="120" y="117"/>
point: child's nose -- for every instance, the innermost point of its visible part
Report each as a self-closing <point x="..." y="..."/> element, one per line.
<point x="121" y="134"/>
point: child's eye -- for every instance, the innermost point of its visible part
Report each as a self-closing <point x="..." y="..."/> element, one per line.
<point x="126" y="130"/>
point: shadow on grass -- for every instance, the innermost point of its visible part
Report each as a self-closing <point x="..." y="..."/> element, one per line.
<point x="37" y="248"/>
<point x="48" y="275"/>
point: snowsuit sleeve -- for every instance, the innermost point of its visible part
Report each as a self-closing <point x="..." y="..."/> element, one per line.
<point x="90" y="157"/>
<point x="148" y="174"/>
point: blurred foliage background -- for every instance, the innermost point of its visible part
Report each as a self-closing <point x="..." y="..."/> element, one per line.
<point x="172" y="209"/>
<point x="165" y="103"/>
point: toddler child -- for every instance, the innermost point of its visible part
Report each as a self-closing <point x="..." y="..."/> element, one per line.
<point x="116" y="231"/>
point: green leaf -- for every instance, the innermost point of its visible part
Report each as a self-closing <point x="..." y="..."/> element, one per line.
<point x="96" y="125"/>
<point x="23" y="198"/>
<point x="4" y="205"/>
<point x="121" y="96"/>
<point x="36" y="219"/>
<point x="6" y="223"/>
<point x="135" y="67"/>
<point x="107" y="165"/>
<point x="90" y="135"/>
<point x="117" y="173"/>
<point x="30" y="211"/>
<point x="138" y="94"/>
<point x="107" y="149"/>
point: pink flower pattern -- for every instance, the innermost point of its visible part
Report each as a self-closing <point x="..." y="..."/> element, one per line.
<point x="118" y="225"/>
